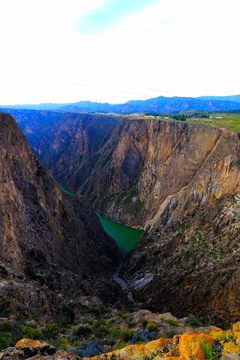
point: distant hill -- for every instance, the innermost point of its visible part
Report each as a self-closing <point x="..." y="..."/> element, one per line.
<point x="235" y="98"/>
<point x="158" y="104"/>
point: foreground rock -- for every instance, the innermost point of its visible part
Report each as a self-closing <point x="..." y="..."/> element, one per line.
<point x="213" y="343"/>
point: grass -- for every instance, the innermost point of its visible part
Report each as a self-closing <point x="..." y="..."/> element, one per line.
<point x="207" y="349"/>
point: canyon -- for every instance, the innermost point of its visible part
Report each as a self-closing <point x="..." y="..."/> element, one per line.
<point x="177" y="181"/>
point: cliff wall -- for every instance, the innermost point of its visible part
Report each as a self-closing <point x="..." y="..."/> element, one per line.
<point x="139" y="172"/>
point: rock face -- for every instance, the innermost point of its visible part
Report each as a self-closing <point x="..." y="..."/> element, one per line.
<point x="191" y="266"/>
<point x="142" y="173"/>
<point x="45" y="234"/>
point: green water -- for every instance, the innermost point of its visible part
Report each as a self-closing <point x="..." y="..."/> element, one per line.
<point x="125" y="237"/>
<point x="66" y="191"/>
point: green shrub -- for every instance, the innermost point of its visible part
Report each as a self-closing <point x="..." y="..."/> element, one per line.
<point x="162" y="319"/>
<point x="103" y="329"/>
<point x="6" y="326"/>
<point x="123" y="314"/>
<point x="3" y="343"/>
<point x="82" y="331"/>
<point x="144" y="322"/>
<point x="97" y="311"/>
<point x="111" y="321"/>
<point x="152" y="327"/>
<point x="172" y="322"/>
<point x="63" y="344"/>
<point x="121" y="345"/>
<point x="30" y="333"/>
<point x="115" y="333"/>
<point x="37" y="335"/>
<point x="170" y="333"/>
<point x="51" y="330"/>
<point x="192" y="320"/>
<point x="127" y="334"/>
<point x="111" y="341"/>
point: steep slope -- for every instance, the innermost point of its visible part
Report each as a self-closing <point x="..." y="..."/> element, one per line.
<point x="191" y="265"/>
<point x="45" y="234"/>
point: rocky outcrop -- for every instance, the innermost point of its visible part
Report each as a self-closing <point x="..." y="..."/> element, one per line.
<point x="46" y="235"/>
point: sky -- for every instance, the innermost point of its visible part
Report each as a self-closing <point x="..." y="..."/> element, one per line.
<point x="117" y="50"/>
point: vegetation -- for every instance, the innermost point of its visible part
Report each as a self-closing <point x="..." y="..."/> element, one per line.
<point x="172" y="322"/>
<point x="152" y="327"/>
<point x="192" y="320"/>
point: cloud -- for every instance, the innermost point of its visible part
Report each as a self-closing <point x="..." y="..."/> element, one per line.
<point x="179" y="47"/>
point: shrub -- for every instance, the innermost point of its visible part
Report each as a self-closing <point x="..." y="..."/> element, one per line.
<point x="123" y="314"/>
<point x="143" y="336"/>
<point x="115" y="332"/>
<point x="170" y="333"/>
<point x="82" y="331"/>
<point x="111" y="321"/>
<point x="127" y="334"/>
<point x="111" y="341"/>
<point x="152" y="327"/>
<point x="192" y="320"/>
<point x="93" y="348"/>
<point x="6" y="326"/>
<point x="63" y="344"/>
<point x="3" y="343"/>
<point x="144" y="322"/>
<point x="121" y="346"/>
<point x="51" y="330"/>
<point x="172" y="322"/>
<point x="31" y="334"/>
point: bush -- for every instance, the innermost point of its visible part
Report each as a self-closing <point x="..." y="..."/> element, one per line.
<point x="123" y="314"/>
<point x="143" y="336"/>
<point x="6" y="326"/>
<point x="63" y="344"/>
<point x="93" y="348"/>
<point x="82" y="331"/>
<point x="170" y="334"/>
<point x="111" y="321"/>
<point x="152" y="327"/>
<point x="3" y="343"/>
<point x="115" y="333"/>
<point x="144" y="322"/>
<point x="172" y="322"/>
<point x="51" y="330"/>
<point x="192" y="320"/>
<point x="127" y="334"/>
<point x="31" y="334"/>
<point x="111" y="341"/>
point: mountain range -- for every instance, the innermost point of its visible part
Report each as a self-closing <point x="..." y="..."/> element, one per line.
<point x="158" y="104"/>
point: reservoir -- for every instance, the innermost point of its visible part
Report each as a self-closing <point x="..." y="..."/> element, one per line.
<point x="125" y="237"/>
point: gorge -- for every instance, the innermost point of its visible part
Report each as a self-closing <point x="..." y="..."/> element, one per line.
<point x="177" y="181"/>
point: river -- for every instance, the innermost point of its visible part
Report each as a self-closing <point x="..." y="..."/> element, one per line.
<point x="125" y="237"/>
